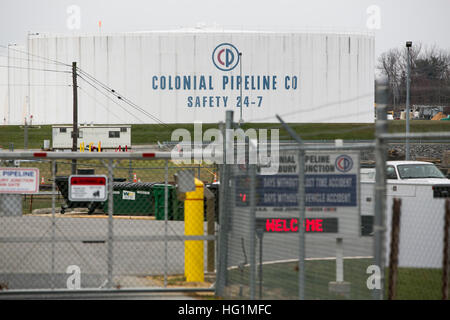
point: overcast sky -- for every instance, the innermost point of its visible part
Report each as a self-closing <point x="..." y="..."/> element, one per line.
<point x="395" y="22"/>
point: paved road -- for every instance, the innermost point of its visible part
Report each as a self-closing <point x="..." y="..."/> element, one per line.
<point x="29" y="259"/>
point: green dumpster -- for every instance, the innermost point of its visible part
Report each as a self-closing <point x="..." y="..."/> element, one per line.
<point x="175" y="208"/>
<point x="132" y="198"/>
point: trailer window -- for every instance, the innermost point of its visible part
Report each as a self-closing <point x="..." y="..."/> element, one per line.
<point x="62" y="130"/>
<point x="114" y="134"/>
<point x="123" y="129"/>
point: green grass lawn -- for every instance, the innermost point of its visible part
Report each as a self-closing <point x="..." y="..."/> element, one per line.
<point x="418" y="284"/>
<point x="15" y="135"/>
<point x="151" y="133"/>
<point x="280" y="281"/>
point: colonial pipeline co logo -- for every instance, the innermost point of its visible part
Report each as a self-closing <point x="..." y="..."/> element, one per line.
<point x="225" y="57"/>
<point x="344" y="163"/>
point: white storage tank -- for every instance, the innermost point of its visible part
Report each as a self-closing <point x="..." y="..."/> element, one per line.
<point x="196" y="75"/>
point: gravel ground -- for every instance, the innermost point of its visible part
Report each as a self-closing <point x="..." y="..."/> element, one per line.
<point x="397" y="151"/>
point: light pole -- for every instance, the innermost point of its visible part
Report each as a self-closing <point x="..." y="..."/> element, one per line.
<point x="408" y="82"/>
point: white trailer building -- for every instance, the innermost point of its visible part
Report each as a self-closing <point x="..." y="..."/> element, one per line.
<point x="109" y="137"/>
<point x="187" y="75"/>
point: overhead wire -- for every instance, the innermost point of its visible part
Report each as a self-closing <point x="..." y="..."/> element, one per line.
<point x="27" y="59"/>
<point x="121" y="97"/>
<point x="98" y="102"/>
<point x="35" y="55"/>
<point x="37" y="69"/>
<point x="111" y="99"/>
<point x="127" y="101"/>
<point x="34" y="85"/>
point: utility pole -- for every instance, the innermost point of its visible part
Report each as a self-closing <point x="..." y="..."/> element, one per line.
<point x="75" y="116"/>
<point x="408" y="81"/>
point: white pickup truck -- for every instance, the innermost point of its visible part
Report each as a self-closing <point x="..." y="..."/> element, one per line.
<point x="408" y="172"/>
<point x="423" y="189"/>
<point x="414" y="172"/>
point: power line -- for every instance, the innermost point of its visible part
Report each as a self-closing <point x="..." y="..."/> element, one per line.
<point x="109" y="98"/>
<point x="38" y="69"/>
<point x="35" y="55"/>
<point x="34" y="85"/>
<point x="98" y="102"/>
<point x="28" y="60"/>
<point x="121" y="97"/>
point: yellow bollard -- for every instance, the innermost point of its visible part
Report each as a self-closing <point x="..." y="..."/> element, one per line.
<point x="99" y="146"/>
<point x="90" y="146"/>
<point x="82" y="147"/>
<point x="194" y="226"/>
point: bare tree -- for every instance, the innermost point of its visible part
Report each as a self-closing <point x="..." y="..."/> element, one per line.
<point x="430" y="74"/>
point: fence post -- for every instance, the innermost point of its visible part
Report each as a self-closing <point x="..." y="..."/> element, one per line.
<point x="110" y="221"/>
<point x="301" y="229"/>
<point x="301" y="205"/>
<point x="223" y="216"/>
<point x="393" y="255"/>
<point x="445" y="265"/>
<point x="252" y="217"/>
<point x="379" y="226"/>
<point x="166" y="218"/>
<point x="53" y="222"/>
<point x="130" y="170"/>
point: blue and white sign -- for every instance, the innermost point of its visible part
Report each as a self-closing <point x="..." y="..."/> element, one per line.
<point x="274" y="191"/>
<point x="331" y="190"/>
<point x="19" y="180"/>
<point x="271" y="191"/>
<point x="331" y="180"/>
<point x="331" y="185"/>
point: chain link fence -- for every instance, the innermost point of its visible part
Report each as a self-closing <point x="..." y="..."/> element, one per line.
<point x="264" y="252"/>
<point x="416" y="246"/>
<point x="320" y="227"/>
<point x="144" y="233"/>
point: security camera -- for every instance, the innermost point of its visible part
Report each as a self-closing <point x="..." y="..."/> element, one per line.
<point x="409" y="44"/>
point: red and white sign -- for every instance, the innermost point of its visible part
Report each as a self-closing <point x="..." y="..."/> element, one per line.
<point x="19" y="180"/>
<point x="88" y="188"/>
